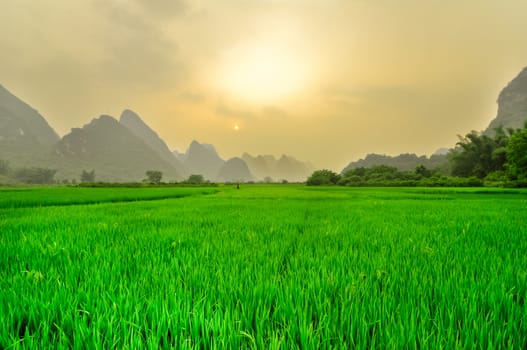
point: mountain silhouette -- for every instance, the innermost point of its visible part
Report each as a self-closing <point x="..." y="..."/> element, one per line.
<point x="112" y="150"/>
<point x="286" y="168"/>
<point x="25" y="136"/>
<point x="512" y="105"/>
<point x="234" y="170"/>
<point x="135" y="124"/>
<point x="204" y="160"/>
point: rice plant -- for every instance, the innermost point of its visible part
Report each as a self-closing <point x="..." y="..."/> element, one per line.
<point x="266" y="267"/>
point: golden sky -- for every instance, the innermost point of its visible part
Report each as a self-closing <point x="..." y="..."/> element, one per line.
<point x="323" y="80"/>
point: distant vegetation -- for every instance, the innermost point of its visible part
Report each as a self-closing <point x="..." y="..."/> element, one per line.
<point x="154" y="176"/>
<point x="478" y="159"/>
<point x="196" y="179"/>
<point x="383" y="176"/>
<point x="88" y="176"/>
<point x="404" y="162"/>
<point x="29" y="175"/>
<point x="498" y="159"/>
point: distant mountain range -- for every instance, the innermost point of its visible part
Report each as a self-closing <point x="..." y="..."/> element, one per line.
<point x="286" y="167"/>
<point x="124" y="149"/>
<point x="512" y="113"/>
<point x="112" y="150"/>
<point x="402" y="162"/>
<point x="118" y="150"/>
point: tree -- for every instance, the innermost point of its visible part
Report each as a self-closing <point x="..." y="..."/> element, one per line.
<point x="4" y="167"/>
<point x="196" y="179"/>
<point x="323" y="177"/>
<point x="88" y="176"/>
<point x="382" y="173"/>
<point x="422" y="171"/>
<point x="154" y="176"/>
<point x="478" y="154"/>
<point x="517" y="155"/>
<point x="36" y="175"/>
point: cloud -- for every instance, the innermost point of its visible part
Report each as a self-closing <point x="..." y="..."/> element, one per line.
<point x="233" y="113"/>
<point x="136" y="50"/>
<point x="264" y="113"/>
<point x="164" y="8"/>
<point x="192" y="97"/>
<point x="275" y="112"/>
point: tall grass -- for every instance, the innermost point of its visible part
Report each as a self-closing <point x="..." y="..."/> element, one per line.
<point x="269" y="267"/>
<point x="48" y="196"/>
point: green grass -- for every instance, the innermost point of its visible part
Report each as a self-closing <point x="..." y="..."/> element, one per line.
<point x="264" y="267"/>
<point x="47" y="196"/>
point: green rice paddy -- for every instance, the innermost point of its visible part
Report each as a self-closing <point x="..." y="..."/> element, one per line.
<point x="263" y="267"/>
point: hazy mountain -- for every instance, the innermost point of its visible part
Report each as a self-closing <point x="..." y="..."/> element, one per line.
<point x="292" y="169"/>
<point x="260" y="166"/>
<point x="25" y="136"/>
<point x="204" y="160"/>
<point x="285" y="168"/>
<point x="404" y="161"/>
<point x="179" y="156"/>
<point x="133" y="122"/>
<point x="234" y="170"/>
<point x="441" y="151"/>
<point x="112" y="150"/>
<point x="512" y="104"/>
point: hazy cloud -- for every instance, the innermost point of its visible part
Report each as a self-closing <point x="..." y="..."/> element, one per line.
<point x="192" y="97"/>
<point x="265" y="112"/>
<point x="137" y="51"/>
<point x="164" y="8"/>
<point x="273" y="111"/>
<point x="227" y="111"/>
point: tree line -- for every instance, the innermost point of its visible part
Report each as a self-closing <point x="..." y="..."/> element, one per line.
<point x="477" y="159"/>
<point x="45" y="176"/>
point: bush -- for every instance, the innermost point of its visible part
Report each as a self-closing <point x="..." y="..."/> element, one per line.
<point x="88" y="176"/>
<point x="4" y="167"/>
<point x="323" y="177"/>
<point x="154" y="176"/>
<point x="195" y="179"/>
<point x="36" y="175"/>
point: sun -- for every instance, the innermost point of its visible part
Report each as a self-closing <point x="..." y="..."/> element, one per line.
<point x="264" y="72"/>
<point x="236" y="128"/>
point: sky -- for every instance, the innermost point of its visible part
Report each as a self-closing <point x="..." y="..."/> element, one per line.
<point x="326" y="81"/>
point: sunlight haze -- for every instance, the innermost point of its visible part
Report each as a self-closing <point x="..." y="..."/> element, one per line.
<point x="324" y="81"/>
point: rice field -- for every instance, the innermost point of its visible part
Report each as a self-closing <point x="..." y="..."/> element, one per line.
<point x="263" y="267"/>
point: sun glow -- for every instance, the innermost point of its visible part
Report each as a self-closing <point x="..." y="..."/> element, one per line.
<point x="264" y="72"/>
